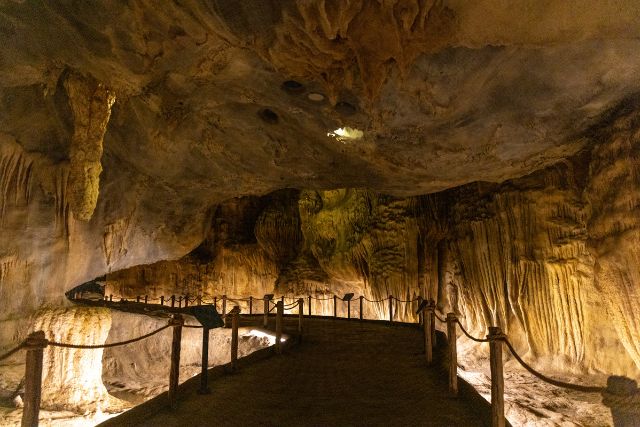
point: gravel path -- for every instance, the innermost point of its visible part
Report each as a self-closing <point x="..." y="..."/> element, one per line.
<point x="342" y="374"/>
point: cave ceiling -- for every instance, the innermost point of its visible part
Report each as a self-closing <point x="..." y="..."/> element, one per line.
<point x="445" y="92"/>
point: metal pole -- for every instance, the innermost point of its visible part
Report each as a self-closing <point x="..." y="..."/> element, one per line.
<point x="335" y="306"/>
<point x="35" y="344"/>
<point x="497" y="377"/>
<point x="174" y="373"/>
<point x="173" y="300"/>
<point x="390" y="309"/>
<point x="361" y="307"/>
<point x="349" y="309"/>
<point x="162" y="300"/>
<point x="204" y="374"/>
<point x="453" y="355"/>
<point x="250" y="305"/>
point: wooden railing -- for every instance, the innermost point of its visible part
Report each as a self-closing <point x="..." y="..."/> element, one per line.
<point x="621" y="394"/>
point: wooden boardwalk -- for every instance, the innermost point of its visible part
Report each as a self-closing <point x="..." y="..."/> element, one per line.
<point x="342" y="374"/>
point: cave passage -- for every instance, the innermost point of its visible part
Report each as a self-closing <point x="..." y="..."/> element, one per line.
<point x="342" y="373"/>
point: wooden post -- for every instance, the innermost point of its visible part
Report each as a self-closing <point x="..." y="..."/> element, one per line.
<point x="300" y="315"/>
<point x="204" y="373"/>
<point x="146" y="299"/>
<point x="162" y="300"/>
<point x="282" y="299"/>
<point x="433" y="323"/>
<point x="428" y="341"/>
<point x="186" y="300"/>
<point x="224" y="305"/>
<point x="335" y="306"/>
<point x="215" y="302"/>
<point x="138" y="298"/>
<point x="361" y="307"/>
<point x="309" y="305"/>
<point x="173" y="300"/>
<point x="250" y="305"/>
<point x="235" y="318"/>
<point x="35" y="344"/>
<point x="421" y="314"/>
<point x="174" y="373"/>
<point x="279" y="313"/>
<point x="348" y="309"/>
<point x="497" y="377"/>
<point x="453" y="353"/>
<point x="180" y="301"/>
<point x="111" y="298"/>
<point x="199" y="300"/>
<point x="265" y="316"/>
<point x="390" y="309"/>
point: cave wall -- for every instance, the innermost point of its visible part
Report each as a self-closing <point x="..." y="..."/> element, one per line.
<point x="550" y="257"/>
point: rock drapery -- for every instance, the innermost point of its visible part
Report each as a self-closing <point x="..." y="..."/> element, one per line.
<point x="496" y="172"/>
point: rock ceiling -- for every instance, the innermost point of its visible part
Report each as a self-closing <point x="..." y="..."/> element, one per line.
<point x="135" y="119"/>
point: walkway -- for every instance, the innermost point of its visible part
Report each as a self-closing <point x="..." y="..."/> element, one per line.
<point x="342" y="374"/>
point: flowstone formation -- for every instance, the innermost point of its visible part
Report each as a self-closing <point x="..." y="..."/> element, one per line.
<point x="482" y="155"/>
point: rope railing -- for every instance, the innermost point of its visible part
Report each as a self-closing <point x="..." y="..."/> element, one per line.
<point x="109" y="345"/>
<point x="12" y="351"/>
<point x="472" y="338"/>
<point x="406" y="300"/>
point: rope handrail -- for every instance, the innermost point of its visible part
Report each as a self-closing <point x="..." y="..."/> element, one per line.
<point x="292" y="305"/>
<point x="12" y="351"/>
<point x="439" y="318"/>
<point x="116" y="344"/>
<point x="557" y="383"/>
<point x="380" y="300"/>
<point x="321" y="299"/>
<point x="193" y="326"/>
<point x="469" y="335"/>
<point x="405" y="300"/>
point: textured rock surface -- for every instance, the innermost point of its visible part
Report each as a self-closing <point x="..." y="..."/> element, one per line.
<point x="526" y="116"/>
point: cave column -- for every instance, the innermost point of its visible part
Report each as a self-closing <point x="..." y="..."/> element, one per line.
<point x="443" y="260"/>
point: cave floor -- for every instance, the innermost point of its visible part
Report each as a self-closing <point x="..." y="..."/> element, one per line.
<point x="342" y="374"/>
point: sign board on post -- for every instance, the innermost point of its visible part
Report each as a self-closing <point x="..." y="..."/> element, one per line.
<point x="347" y="297"/>
<point x="207" y="316"/>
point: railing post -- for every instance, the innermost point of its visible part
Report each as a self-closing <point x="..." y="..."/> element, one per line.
<point x="335" y="306"/>
<point x="186" y="300"/>
<point x="361" y="307"/>
<point x="497" y="377"/>
<point x="174" y="373"/>
<point x="428" y="341"/>
<point x="180" y="301"/>
<point x="111" y="298"/>
<point x="265" y="317"/>
<point x="282" y="299"/>
<point x="250" y="305"/>
<point x="35" y="344"/>
<point x="390" y="309"/>
<point x="235" y="317"/>
<point x="453" y="353"/>
<point x="215" y="302"/>
<point x="300" y="315"/>
<point x="349" y="309"/>
<point x="138" y="298"/>
<point x="224" y="305"/>
<point x="162" y="300"/>
<point x="204" y="373"/>
<point x="279" y="313"/>
<point x="309" y="305"/>
<point x="199" y="300"/>
<point x="421" y="314"/>
<point x="173" y="300"/>
<point x="146" y="299"/>
<point x="434" y="342"/>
